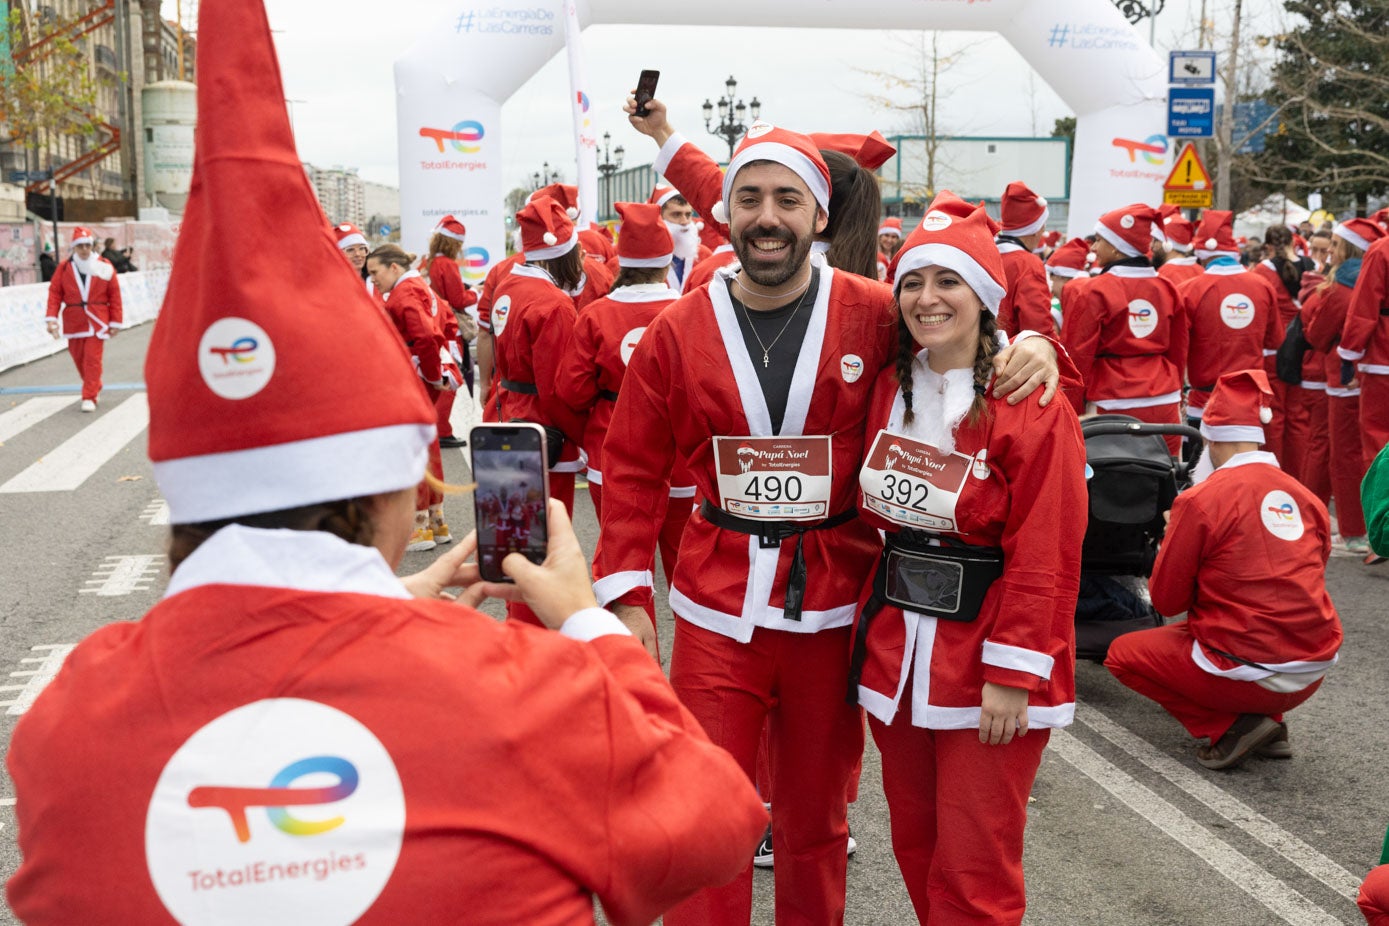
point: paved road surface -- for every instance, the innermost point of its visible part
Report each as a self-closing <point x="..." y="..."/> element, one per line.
<point x="1126" y="827"/>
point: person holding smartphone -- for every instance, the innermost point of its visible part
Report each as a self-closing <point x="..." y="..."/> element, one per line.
<point x="295" y="727"/>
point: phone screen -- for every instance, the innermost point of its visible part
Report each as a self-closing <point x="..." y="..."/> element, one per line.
<point x="509" y="503"/>
<point x="646" y="90"/>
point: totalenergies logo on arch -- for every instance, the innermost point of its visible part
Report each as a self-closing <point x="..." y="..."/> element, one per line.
<point x="464" y="137"/>
<point x="1153" y="148"/>
<point x="475" y="261"/>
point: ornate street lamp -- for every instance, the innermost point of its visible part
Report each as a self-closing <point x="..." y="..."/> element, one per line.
<point x="732" y="113"/>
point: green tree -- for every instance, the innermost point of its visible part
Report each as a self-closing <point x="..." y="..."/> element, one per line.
<point x="47" y="88"/>
<point x="1065" y="127"/>
<point x="1331" y="86"/>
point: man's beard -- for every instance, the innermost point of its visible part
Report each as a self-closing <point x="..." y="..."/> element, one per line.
<point x="758" y="270"/>
<point x="686" y="241"/>
<point x="85" y="264"/>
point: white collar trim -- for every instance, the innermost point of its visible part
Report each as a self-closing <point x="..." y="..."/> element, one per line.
<point x="1250" y="456"/>
<point x="643" y="292"/>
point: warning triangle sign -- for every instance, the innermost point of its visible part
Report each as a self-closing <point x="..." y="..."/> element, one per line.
<point x="1188" y="173"/>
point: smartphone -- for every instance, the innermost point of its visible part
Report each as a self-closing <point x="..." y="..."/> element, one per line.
<point x="646" y="90"/>
<point x="513" y="488"/>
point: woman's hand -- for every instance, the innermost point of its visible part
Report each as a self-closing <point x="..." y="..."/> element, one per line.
<point x="450" y="571"/>
<point x="1003" y="710"/>
<point x="1023" y="366"/>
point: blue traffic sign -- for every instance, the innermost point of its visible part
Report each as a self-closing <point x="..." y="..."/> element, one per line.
<point x="1191" y="112"/>
<point x="385" y="229"/>
<point x="28" y="176"/>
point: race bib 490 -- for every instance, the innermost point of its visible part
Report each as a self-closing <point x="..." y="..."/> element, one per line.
<point x="774" y="478"/>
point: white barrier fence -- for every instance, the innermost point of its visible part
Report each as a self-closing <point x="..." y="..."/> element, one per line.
<point x="24" y="337"/>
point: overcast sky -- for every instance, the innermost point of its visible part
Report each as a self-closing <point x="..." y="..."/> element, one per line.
<point x="337" y="64"/>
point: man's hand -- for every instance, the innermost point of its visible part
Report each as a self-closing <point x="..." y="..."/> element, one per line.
<point x="1003" y="710"/>
<point x="639" y="622"/>
<point x="53" y="329"/>
<point x="653" y="124"/>
<point x="1023" y="366"/>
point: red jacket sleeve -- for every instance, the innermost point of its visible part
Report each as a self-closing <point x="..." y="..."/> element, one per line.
<point x="1080" y="335"/>
<point x="1032" y="299"/>
<point x="698" y="178"/>
<point x="1172" y="587"/>
<point x="422" y="337"/>
<point x="550" y="341"/>
<point x="446" y="280"/>
<point x="1371" y="296"/>
<point x="55" y="290"/>
<point x="576" y="379"/>
<point x="1273" y="334"/>
<point x="1328" y="318"/>
<point x="1179" y="347"/>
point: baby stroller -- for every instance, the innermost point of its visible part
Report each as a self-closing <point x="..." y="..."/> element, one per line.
<point x="1134" y="480"/>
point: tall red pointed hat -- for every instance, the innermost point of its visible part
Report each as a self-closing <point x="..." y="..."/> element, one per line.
<point x="281" y="384"/>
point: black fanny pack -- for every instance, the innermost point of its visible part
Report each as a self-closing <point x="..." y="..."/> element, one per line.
<point x="948" y="581"/>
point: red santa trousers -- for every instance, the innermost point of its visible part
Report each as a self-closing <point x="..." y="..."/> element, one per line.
<point x="797" y="680"/>
<point x="1374" y="897"/>
<point x="1314" y="472"/>
<point x="1153" y="414"/>
<point x="86" y="356"/>
<point x="1347" y="463"/>
<point x="958" y="809"/>
<point x="1297" y="423"/>
<point x="1374" y="414"/>
<point x="1157" y="664"/>
<point x="1275" y="432"/>
<point x="443" y="409"/>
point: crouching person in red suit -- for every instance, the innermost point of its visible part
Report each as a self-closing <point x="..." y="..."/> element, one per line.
<point x="1374" y="893"/>
<point x="84" y="306"/>
<point x="1245" y="556"/>
<point x="301" y="735"/>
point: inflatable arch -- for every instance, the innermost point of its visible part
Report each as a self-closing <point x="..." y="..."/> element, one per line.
<point x="450" y="87"/>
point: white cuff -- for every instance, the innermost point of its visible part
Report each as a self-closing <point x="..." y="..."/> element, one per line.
<point x="1349" y="354"/>
<point x="592" y="623"/>
<point x="1005" y="656"/>
<point x="667" y="153"/>
<point x="612" y="587"/>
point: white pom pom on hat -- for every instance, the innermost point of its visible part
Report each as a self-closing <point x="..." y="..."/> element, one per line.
<point x="1212" y="243"/>
<point x="1265" y="415"/>
<point x="572" y="212"/>
<point x="720" y="212"/>
<point x="550" y="239"/>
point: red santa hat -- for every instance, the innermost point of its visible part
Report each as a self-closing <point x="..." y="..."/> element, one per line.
<point x="792" y="150"/>
<point x="1051" y="239"/>
<point x="891" y="226"/>
<point x="869" y="151"/>
<point x="1179" y="231"/>
<point x="958" y="236"/>
<point x="1129" y="229"/>
<point x="255" y="405"/>
<point x="1023" y="211"/>
<point x="349" y="235"/>
<point x="1072" y="259"/>
<point x="1360" y="232"/>
<point x="662" y="195"/>
<point x="645" y="241"/>
<point x="546" y="229"/>
<point x="1215" y="234"/>
<point x="1381" y="218"/>
<point x="1240" y="405"/>
<point x="567" y="195"/>
<point x="1300" y="245"/>
<point x="710" y="236"/>
<point x="82" y="235"/>
<point x="450" y="227"/>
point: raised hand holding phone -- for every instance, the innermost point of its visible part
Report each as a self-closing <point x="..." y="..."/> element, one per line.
<point x="646" y="91"/>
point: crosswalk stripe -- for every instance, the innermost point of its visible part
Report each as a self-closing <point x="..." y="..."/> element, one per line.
<point x="72" y="462"/>
<point x="31" y="413"/>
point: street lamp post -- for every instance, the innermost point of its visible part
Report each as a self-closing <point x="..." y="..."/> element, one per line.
<point x="544" y="177"/>
<point x="611" y="164"/>
<point x="732" y="112"/>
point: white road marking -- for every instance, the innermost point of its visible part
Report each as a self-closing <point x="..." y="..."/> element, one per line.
<point x="1286" y="903"/>
<point x="6" y="802"/>
<point x="72" y="462"/>
<point x="1227" y="805"/>
<point x="49" y="664"/>
<point x="30" y="413"/>
<point x="156" y="513"/>
<point x="122" y="575"/>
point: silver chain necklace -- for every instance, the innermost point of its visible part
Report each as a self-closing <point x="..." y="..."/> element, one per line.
<point x="767" y="348"/>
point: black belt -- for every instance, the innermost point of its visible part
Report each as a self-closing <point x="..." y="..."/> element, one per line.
<point x="1196" y="388"/>
<point x="524" y="388"/>
<point x="607" y="394"/>
<point x="770" y="534"/>
<point x="1233" y="658"/>
<point x="1384" y="311"/>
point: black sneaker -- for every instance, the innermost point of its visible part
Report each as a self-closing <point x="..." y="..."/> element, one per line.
<point x="453" y="441"/>
<point x="762" y="856"/>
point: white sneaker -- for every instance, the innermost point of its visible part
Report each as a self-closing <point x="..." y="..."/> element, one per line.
<point x="88" y="405"/>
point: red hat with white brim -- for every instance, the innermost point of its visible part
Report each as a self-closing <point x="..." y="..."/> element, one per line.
<point x="450" y="227"/>
<point x="1240" y="405"/>
<point x="81" y="235"/>
<point x="1179" y="231"/>
<point x="792" y="150"/>
<point x="1215" y="234"/>
<point x="957" y="236"/>
<point x="1070" y="260"/>
<point x="1360" y="232"/>
<point x="349" y="235"/>
<point x="1023" y="211"/>
<point x="255" y="405"/>
<point x="1129" y="230"/>
<point x="566" y="194"/>
<point x="546" y="229"/>
<point x="645" y="240"/>
<point x="891" y="226"/>
<point x="663" y="194"/>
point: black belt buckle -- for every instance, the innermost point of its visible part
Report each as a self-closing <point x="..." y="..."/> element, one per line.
<point x="769" y="538"/>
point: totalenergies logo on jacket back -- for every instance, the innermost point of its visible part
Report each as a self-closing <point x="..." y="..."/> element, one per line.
<point x="280" y="795"/>
<point x="464" y="137"/>
<point x="242" y="350"/>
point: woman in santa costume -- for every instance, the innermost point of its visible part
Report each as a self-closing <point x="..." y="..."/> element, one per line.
<point x="590" y="375"/>
<point x="1282" y="270"/>
<point x="298" y="738"/>
<point x="889" y="240"/>
<point x="1245" y="557"/>
<point x="458" y="318"/>
<point x="964" y="648"/>
<point x="1365" y="343"/>
<point x="1324" y="317"/>
<point x="84" y="307"/>
<point x="353" y="245"/>
<point x="1027" y="302"/>
<point x="414" y="309"/>
<point x="1125" y="329"/>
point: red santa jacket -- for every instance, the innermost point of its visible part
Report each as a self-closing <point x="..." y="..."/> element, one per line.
<point x="414" y="310"/>
<point x="447" y="281"/>
<point x="597" y="243"/>
<point x="704" y="271"/>
<point x="590" y="375"/>
<point x="1323" y="319"/>
<point x="1365" y="336"/>
<point x="1026" y="304"/>
<point x="690" y="382"/>
<point x="532" y="324"/>
<point x="1127" y="335"/>
<point x="431" y="765"/>
<point x="1245" y="556"/>
<point x="1014" y="480"/>
<point x="85" y="306"/>
<point x="1233" y="324"/>
<point x="1177" y="270"/>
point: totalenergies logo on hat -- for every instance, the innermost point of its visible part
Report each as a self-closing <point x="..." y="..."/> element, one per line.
<point x="1153" y="148"/>
<point x="279" y="795"/>
<point x="475" y="261"/>
<point x="464" y="137"/>
<point x="236" y="358"/>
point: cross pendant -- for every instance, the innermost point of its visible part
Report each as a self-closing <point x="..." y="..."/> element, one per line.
<point x="766" y="361"/>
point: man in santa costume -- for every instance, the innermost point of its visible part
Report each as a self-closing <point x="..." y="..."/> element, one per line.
<point x="777" y="357"/>
<point x="1231" y="313"/>
<point x="1027" y="303"/>
<point x="301" y="735"/>
<point x="1365" y="343"/>
<point x="1245" y="557"/>
<point x="84" y="306"/>
<point x="1178" y="235"/>
<point x="1124" y="329"/>
<point x="678" y="215"/>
